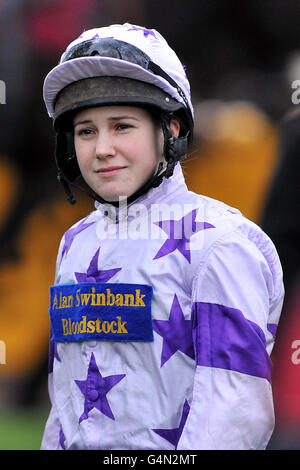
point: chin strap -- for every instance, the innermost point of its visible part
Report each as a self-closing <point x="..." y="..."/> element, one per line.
<point x="175" y="150"/>
<point x="65" y="184"/>
<point x="151" y="183"/>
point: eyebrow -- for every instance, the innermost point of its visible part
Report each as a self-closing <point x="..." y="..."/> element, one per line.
<point x="112" y="118"/>
<point x="118" y="118"/>
<point x="86" y="121"/>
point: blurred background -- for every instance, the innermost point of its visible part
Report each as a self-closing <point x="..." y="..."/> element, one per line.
<point x="242" y="59"/>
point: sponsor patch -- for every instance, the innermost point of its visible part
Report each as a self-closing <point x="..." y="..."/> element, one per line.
<point x="101" y="311"/>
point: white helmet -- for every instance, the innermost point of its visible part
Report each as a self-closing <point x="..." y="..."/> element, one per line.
<point x="118" y="64"/>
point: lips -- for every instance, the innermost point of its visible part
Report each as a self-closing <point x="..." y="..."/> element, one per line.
<point x="110" y="170"/>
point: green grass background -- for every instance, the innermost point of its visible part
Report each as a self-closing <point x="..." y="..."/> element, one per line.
<point x="22" y="429"/>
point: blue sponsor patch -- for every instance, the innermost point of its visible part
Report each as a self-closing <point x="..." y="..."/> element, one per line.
<point x="101" y="311"/>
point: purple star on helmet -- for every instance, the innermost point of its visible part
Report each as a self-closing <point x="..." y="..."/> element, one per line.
<point x="179" y="233"/>
<point x="95" y="388"/>
<point x="173" y="435"/>
<point x="176" y="333"/>
<point x="146" y="32"/>
<point x="71" y="234"/>
<point x="93" y="274"/>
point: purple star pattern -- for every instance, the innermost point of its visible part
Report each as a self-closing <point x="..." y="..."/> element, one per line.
<point x="95" y="388"/>
<point x="71" y="234"/>
<point x="146" y="32"/>
<point x="95" y="275"/>
<point x="176" y="333"/>
<point x="173" y="435"/>
<point x="179" y="233"/>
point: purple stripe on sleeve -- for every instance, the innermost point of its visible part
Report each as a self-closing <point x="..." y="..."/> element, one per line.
<point x="62" y="438"/>
<point x="272" y="328"/>
<point x="225" y="339"/>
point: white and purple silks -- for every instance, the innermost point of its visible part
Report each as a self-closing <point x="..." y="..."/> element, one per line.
<point x="204" y="382"/>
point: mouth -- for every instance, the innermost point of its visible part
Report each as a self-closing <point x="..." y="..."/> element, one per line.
<point x="110" y="170"/>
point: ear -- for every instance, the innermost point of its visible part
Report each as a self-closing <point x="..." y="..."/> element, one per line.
<point x="175" y="127"/>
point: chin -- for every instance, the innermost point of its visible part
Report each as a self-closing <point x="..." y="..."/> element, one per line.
<point x="113" y="197"/>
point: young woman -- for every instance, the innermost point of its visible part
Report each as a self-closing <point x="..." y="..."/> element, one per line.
<point x="165" y="304"/>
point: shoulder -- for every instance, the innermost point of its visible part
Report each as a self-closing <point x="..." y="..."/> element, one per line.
<point x="226" y="222"/>
<point x="83" y="223"/>
<point x="83" y="226"/>
<point x="224" y="234"/>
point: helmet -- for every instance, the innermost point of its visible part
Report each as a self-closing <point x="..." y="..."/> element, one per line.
<point x="118" y="64"/>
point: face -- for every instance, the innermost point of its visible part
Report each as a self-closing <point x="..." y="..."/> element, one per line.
<point x="118" y="149"/>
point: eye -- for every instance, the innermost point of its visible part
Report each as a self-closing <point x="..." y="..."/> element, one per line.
<point x="123" y="127"/>
<point x="85" y="132"/>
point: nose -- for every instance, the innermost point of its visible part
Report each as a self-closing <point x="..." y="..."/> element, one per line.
<point x="104" y="146"/>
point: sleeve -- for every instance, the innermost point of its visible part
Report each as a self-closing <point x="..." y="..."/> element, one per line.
<point x="53" y="437"/>
<point x="237" y="300"/>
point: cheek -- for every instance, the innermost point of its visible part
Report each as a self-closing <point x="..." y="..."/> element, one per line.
<point x="160" y="142"/>
<point x="78" y="151"/>
<point x="83" y="153"/>
<point x="143" y="156"/>
<point x="148" y="149"/>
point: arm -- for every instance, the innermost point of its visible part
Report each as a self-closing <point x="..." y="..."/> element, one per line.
<point x="53" y="437"/>
<point x="237" y="299"/>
